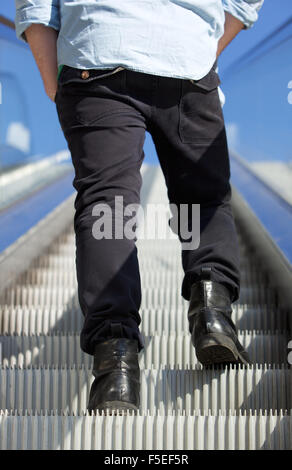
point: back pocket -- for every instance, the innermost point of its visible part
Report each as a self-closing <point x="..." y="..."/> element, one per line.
<point x="200" y="113"/>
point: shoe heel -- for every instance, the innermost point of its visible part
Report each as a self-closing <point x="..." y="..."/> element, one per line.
<point x="216" y="349"/>
<point x="115" y="408"/>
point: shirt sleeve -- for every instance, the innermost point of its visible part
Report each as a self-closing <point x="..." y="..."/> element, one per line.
<point x="46" y="12"/>
<point x="244" y="10"/>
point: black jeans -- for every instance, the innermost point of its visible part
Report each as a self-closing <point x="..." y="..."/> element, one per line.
<point x="104" y="116"/>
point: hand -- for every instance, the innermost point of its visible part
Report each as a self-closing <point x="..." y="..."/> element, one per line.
<point x="232" y="27"/>
<point x="51" y="90"/>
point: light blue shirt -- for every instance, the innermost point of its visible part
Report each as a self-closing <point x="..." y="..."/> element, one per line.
<point x="171" y="38"/>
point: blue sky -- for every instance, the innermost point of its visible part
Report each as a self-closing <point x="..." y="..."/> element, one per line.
<point x="272" y="15"/>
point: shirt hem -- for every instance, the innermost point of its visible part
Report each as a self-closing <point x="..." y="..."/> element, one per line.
<point x="145" y="71"/>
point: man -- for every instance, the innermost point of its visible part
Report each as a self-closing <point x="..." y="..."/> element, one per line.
<point x="126" y="66"/>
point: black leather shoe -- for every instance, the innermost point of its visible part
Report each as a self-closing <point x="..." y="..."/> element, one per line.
<point x="214" y="335"/>
<point x="117" y="376"/>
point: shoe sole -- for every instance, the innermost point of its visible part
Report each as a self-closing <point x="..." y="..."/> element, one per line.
<point x="220" y="349"/>
<point x="114" y="408"/>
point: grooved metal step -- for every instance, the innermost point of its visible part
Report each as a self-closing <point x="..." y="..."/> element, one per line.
<point x="151" y="296"/>
<point x="44" y="320"/>
<point x="153" y="432"/>
<point x="160" y="350"/>
<point x="56" y="277"/>
<point x="67" y="389"/>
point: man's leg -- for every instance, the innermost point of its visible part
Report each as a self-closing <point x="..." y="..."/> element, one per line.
<point x="189" y="134"/>
<point x="106" y="144"/>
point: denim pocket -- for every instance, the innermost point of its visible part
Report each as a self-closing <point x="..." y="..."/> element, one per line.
<point x="70" y="75"/>
<point x="85" y="96"/>
<point x="88" y="103"/>
<point x="200" y="113"/>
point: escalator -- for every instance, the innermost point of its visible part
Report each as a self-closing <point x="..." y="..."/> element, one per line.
<point x="45" y="378"/>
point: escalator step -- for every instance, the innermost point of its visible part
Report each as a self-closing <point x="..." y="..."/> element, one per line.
<point x="66" y="389"/>
<point x="172" y="350"/>
<point x="165" y="432"/>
